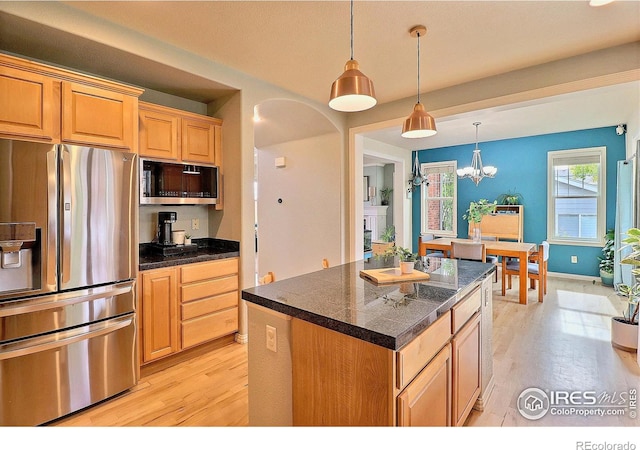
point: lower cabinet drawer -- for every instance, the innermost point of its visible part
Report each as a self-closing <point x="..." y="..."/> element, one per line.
<point x="209" y="305"/>
<point x="412" y="358"/>
<point x="202" y="271"/>
<point x="465" y="309"/>
<point x="211" y="326"/>
<point x="204" y="289"/>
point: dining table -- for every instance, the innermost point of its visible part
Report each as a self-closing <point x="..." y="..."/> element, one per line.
<point x="505" y="249"/>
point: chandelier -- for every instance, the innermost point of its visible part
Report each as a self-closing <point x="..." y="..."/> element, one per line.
<point x="416" y="179"/>
<point x="476" y="171"/>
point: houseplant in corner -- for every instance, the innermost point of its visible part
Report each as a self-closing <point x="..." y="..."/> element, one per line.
<point x="475" y="213"/>
<point x="389" y="234"/>
<point x="385" y="194"/>
<point x="624" y="330"/>
<point x="607" y="259"/>
<point x="405" y="256"/>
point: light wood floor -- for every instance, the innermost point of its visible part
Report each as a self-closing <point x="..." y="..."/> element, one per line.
<point x="562" y="343"/>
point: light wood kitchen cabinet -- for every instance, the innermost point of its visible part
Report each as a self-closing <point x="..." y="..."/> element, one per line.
<point x="187" y="305"/>
<point x="466" y="365"/>
<point x="28" y="105"/>
<point x="199" y="140"/>
<point x="209" y="301"/>
<point x="96" y="116"/>
<point x="159" y="313"/>
<point x="427" y="400"/>
<point x="433" y="380"/>
<point x="158" y="133"/>
<point x="172" y="134"/>
<point x="168" y="133"/>
<point x="51" y="104"/>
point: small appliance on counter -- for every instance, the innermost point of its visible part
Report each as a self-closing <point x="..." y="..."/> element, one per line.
<point x="171" y="242"/>
<point x="165" y="223"/>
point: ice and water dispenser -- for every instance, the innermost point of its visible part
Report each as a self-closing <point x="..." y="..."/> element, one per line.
<point x="17" y="260"/>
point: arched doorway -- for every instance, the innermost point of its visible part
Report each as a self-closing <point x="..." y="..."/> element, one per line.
<point x="298" y="160"/>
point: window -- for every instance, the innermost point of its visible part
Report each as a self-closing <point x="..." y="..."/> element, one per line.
<point x="576" y="206"/>
<point x="439" y="202"/>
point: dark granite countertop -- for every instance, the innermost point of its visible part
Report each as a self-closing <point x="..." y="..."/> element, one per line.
<point x="389" y="315"/>
<point x="207" y="249"/>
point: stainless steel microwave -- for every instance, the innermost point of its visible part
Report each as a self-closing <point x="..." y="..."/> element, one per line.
<point x="171" y="183"/>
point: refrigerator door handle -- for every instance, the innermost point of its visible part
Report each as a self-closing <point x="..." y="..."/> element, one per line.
<point x="65" y="215"/>
<point x="51" y="238"/>
<point x="63" y="339"/>
<point x="59" y="300"/>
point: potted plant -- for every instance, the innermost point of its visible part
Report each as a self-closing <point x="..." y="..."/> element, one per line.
<point x="624" y="330"/>
<point x="389" y="234"/>
<point x="187" y="239"/>
<point x="475" y="213"/>
<point x="607" y="259"/>
<point x="385" y="194"/>
<point x="510" y="198"/>
<point x="405" y="256"/>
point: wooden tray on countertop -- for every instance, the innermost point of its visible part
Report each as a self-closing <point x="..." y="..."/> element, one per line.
<point x="393" y="275"/>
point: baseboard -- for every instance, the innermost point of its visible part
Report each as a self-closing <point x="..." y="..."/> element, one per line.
<point x="484" y="396"/>
<point x="184" y="355"/>
<point x="574" y="276"/>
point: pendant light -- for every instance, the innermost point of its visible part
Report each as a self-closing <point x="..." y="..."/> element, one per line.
<point x="352" y="91"/>
<point x="420" y="123"/>
<point x="476" y="172"/>
<point x="417" y="179"/>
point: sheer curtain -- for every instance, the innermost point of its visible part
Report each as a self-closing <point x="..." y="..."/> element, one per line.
<point x="624" y="220"/>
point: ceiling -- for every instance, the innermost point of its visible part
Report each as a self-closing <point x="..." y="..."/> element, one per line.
<point x="302" y="46"/>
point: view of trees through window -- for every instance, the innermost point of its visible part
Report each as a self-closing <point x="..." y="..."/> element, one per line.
<point x="439" y="199"/>
<point x="576" y="196"/>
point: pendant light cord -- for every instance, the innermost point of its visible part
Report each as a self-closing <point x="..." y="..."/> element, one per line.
<point x="352" y="30"/>
<point x="418" y="66"/>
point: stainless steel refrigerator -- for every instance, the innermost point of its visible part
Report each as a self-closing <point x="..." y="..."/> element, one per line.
<point x="68" y="262"/>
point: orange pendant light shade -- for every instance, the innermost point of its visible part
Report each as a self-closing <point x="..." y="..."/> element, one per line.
<point x="419" y="124"/>
<point x="353" y="90"/>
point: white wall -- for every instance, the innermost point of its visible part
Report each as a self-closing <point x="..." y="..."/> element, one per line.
<point x="295" y="235"/>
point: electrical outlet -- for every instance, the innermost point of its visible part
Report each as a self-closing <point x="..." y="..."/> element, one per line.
<point x="271" y="339"/>
<point x="195" y="224"/>
<point x="574" y="259"/>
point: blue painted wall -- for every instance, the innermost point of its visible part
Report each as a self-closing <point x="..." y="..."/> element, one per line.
<point x="522" y="167"/>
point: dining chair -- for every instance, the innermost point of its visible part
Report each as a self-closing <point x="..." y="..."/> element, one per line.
<point x="429" y="237"/>
<point x="472" y="251"/>
<point x="268" y="278"/>
<point x="537" y="264"/>
<point x="492" y="258"/>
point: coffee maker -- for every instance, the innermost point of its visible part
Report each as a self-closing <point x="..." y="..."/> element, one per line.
<point x="165" y="219"/>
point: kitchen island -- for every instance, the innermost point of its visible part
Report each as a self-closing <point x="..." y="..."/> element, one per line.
<point x="333" y="348"/>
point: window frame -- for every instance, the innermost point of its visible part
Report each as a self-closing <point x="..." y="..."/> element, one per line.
<point x="424" y="167"/>
<point x="601" y="198"/>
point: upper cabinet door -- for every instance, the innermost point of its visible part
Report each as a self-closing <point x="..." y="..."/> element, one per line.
<point x="99" y="117"/>
<point x="28" y="105"/>
<point x="159" y="135"/>
<point x="198" y="141"/>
